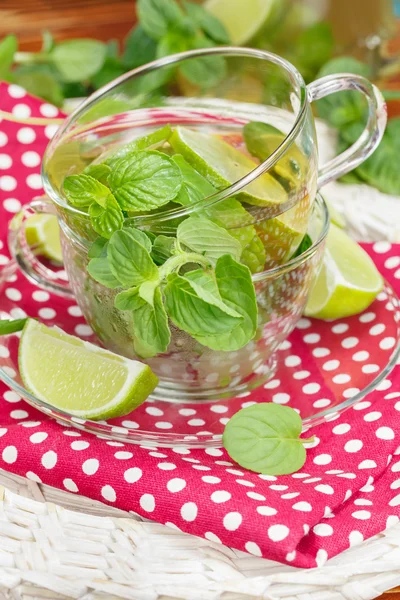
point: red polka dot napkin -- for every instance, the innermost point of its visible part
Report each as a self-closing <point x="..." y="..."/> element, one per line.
<point x="348" y="490"/>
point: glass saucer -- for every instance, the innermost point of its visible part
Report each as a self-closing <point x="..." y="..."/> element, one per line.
<point x="322" y="369"/>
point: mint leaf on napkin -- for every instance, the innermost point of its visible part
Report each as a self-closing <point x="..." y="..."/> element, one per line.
<point x="265" y="438"/>
<point x="11" y="326"/>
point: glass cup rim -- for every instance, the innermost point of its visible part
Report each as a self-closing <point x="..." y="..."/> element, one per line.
<point x="233" y="51"/>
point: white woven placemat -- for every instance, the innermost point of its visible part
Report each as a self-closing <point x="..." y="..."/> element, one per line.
<point x="53" y="551"/>
<point x="58" y="545"/>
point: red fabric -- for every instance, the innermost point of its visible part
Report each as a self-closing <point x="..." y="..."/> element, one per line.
<point x="347" y="491"/>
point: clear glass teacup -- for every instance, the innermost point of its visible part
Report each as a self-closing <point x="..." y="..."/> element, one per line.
<point x="251" y="86"/>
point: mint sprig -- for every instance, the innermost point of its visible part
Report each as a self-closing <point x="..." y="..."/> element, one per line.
<point x="265" y="438"/>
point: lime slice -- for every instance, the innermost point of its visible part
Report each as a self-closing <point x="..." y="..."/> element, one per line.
<point x="348" y="281"/>
<point x="242" y="20"/>
<point x="222" y="165"/>
<point x="78" y="377"/>
<point x="43" y="233"/>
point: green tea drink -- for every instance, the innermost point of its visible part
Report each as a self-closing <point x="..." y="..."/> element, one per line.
<point x="167" y="269"/>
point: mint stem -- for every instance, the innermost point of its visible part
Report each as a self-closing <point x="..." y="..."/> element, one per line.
<point x="31" y="57"/>
<point x="307" y="440"/>
<point x="175" y="262"/>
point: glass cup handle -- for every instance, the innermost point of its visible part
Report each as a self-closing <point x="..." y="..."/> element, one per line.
<point x="23" y="256"/>
<point x="374" y="129"/>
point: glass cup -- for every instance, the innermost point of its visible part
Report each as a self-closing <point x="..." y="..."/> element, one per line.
<point x="239" y="86"/>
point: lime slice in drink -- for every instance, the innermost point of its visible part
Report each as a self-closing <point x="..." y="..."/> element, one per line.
<point x="80" y="378"/>
<point x="348" y="281"/>
<point x="43" y="233"/>
<point x="222" y="165"/>
<point x="243" y="20"/>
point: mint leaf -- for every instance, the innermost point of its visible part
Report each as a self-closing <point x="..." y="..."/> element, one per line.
<point x="141" y="237"/>
<point x="205" y="237"/>
<point x="342" y="108"/>
<point x="99" y="269"/>
<point x="77" y="60"/>
<point x="210" y="25"/>
<point x="143" y="181"/>
<point x="11" y="326"/>
<point x="107" y="218"/>
<point x="150" y="327"/>
<point x="98" y="172"/>
<point x="195" y="187"/>
<point x="265" y="438"/>
<point x="157" y="16"/>
<point x="8" y="48"/>
<point x="205" y="285"/>
<point x="305" y="244"/>
<point x="312" y="49"/>
<point x="140" y="49"/>
<point x="98" y="248"/>
<point x="163" y="248"/>
<point x="150" y="321"/>
<point x="81" y="190"/>
<point x="151" y="140"/>
<point x="192" y="314"/>
<point x="237" y="291"/>
<point x="129" y="261"/>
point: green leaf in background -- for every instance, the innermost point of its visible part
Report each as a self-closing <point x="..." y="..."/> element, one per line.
<point x="381" y="169"/>
<point x="312" y="49"/>
<point x="8" y="326"/>
<point x="106" y="218"/>
<point x="205" y="71"/>
<point x="8" y="48"/>
<point x="163" y="248"/>
<point x="81" y="190"/>
<point x="78" y="60"/>
<point x="98" y="248"/>
<point x="265" y="438"/>
<point x="47" y="41"/>
<point x="130" y="262"/>
<point x="191" y="313"/>
<point x="172" y="43"/>
<point x="150" y="327"/>
<point x="237" y="291"/>
<point x="40" y="82"/>
<point x="140" y="49"/>
<point x="342" y="108"/>
<point x="205" y="285"/>
<point x="210" y="25"/>
<point x="99" y="269"/>
<point x="157" y="16"/>
<point x="151" y="140"/>
<point x="205" y="237"/>
<point x="145" y="180"/>
<point x="110" y="70"/>
<point x="98" y="172"/>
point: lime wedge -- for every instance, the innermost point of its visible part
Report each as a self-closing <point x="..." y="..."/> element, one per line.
<point x="78" y="377"/>
<point x="243" y="20"/>
<point x="43" y="233"/>
<point x="348" y="281"/>
<point x="222" y="165"/>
